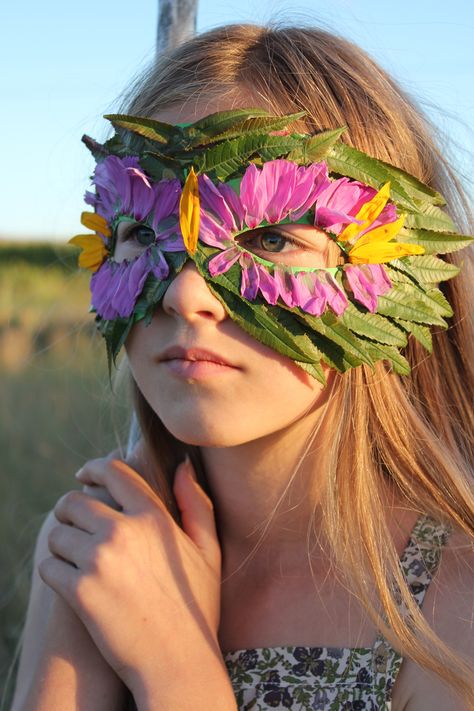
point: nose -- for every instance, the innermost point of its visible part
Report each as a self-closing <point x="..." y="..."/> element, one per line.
<point x="189" y="297"/>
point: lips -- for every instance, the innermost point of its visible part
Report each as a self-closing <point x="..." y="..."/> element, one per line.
<point x="193" y="354"/>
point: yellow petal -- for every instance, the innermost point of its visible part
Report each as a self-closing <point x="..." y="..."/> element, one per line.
<point x="189" y="212"/>
<point x="96" y="223"/>
<point x="383" y="233"/>
<point x="93" y="251"/>
<point x="379" y="252"/>
<point x="368" y="213"/>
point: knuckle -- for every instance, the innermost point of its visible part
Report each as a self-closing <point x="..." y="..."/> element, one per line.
<point x="70" y="498"/>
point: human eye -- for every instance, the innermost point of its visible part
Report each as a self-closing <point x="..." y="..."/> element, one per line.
<point x="132" y="238"/>
<point x="269" y="240"/>
<point x="293" y="245"/>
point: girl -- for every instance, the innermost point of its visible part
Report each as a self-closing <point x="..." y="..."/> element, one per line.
<point x="314" y="549"/>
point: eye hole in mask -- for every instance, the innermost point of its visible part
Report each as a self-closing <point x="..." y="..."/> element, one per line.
<point x="131" y="239"/>
<point x="292" y="245"/>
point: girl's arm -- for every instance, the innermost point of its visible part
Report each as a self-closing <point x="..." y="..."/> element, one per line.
<point x="60" y="667"/>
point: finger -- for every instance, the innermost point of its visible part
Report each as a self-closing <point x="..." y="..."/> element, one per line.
<point x="197" y="512"/>
<point x="83" y="512"/>
<point x="62" y="577"/>
<point x="100" y="493"/>
<point x="70" y="544"/>
<point x="124" y="484"/>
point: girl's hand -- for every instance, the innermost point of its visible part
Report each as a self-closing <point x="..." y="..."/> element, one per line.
<point x="147" y="591"/>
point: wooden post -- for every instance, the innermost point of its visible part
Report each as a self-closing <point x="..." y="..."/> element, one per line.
<point x="176" y="23"/>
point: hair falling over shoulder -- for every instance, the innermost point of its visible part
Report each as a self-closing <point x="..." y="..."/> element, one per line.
<point x="410" y="434"/>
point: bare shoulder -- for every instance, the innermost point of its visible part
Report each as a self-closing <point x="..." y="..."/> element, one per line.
<point x="449" y="610"/>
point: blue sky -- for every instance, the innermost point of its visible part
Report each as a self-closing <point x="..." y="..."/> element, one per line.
<point x="65" y="63"/>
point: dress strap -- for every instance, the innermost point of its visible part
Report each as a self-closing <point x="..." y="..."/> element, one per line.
<point x="419" y="562"/>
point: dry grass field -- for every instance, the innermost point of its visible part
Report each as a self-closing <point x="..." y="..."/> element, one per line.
<point x="56" y="411"/>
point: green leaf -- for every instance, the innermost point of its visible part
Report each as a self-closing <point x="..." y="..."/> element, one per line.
<point x="98" y="150"/>
<point x="373" y="326"/>
<point x="415" y="188"/>
<point x="391" y="354"/>
<point x="253" y="125"/>
<point x="221" y="121"/>
<point x="421" y="333"/>
<point x="316" y="148"/>
<point x="226" y="158"/>
<point x="314" y="369"/>
<point x="262" y="325"/>
<point x="345" y="160"/>
<point x="426" y="268"/>
<point x="329" y="326"/>
<point x="156" y="166"/>
<point x="409" y="303"/>
<point x="430" y="217"/>
<point x="435" y="242"/>
<point x="149" y="128"/>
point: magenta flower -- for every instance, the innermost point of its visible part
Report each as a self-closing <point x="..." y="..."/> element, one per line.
<point x="280" y="189"/>
<point x="367" y="282"/>
<point x="338" y="204"/>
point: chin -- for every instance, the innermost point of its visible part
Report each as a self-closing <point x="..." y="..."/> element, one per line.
<point x="202" y="434"/>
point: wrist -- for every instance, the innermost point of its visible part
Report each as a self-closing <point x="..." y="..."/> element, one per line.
<point x="201" y="687"/>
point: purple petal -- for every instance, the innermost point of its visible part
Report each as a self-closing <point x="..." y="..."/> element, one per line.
<point x="100" y="286"/>
<point x="166" y="195"/>
<point x="250" y="277"/>
<point x="160" y="267"/>
<point x="139" y="270"/>
<point x="171" y="240"/>
<point x="121" y="300"/>
<point x="267" y="285"/>
<point x="214" y="203"/>
<point x="223" y="261"/>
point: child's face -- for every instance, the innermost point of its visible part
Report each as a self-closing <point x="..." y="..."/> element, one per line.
<point x="205" y="403"/>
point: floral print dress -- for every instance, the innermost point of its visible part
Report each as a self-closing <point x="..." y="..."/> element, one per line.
<point x="333" y="678"/>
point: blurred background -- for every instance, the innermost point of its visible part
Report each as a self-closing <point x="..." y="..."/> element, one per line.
<point x="63" y="66"/>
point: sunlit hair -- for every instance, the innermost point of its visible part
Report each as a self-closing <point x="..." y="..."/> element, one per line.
<point x="409" y="436"/>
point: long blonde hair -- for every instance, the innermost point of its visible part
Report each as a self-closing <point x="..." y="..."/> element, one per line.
<point x="413" y="434"/>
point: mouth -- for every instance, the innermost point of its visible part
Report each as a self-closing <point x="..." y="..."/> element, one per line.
<point x="193" y="355"/>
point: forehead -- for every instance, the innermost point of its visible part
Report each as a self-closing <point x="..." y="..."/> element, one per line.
<point x="195" y="109"/>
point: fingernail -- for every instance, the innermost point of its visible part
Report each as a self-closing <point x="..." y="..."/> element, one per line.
<point x="189" y="467"/>
<point x="79" y="473"/>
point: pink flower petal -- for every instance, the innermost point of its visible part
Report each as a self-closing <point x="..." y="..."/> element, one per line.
<point x="252" y="196"/>
<point x="214" y="203"/>
<point x="336" y="297"/>
<point x="234" y="203"/>
<point x="367" y="281"/>
<point x="213" y="234"/>
<point x="250" y="277"/>
<point x="278" y="178"/>
<point x="223" y="261"/>
<point x="267" y="285"/>
<point x="310" y="182"/>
